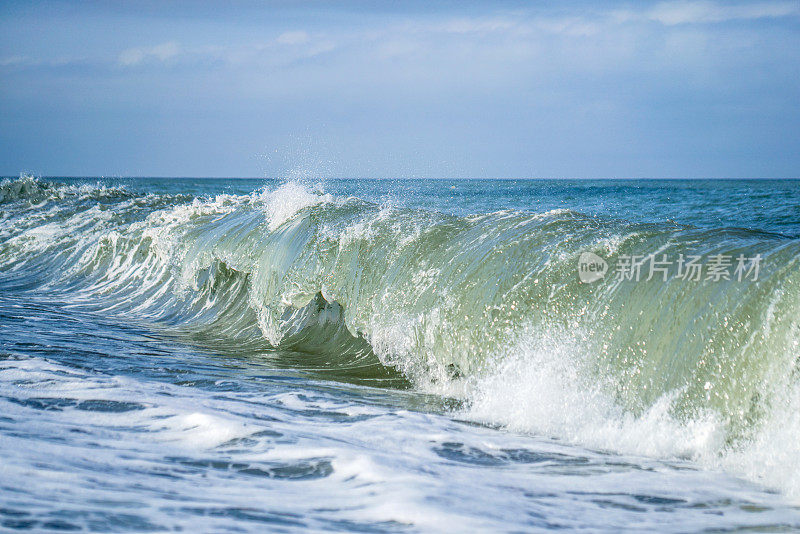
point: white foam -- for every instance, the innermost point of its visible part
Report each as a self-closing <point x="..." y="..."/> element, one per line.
<point x="772" y="456"/>
<point x="288" y="199"/>
<point x="199" y="430"/>
<point x="389" y="463"/>
<point x="544" y="386"/>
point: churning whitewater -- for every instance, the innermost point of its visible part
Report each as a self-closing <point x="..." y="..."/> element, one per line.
<point x="462" y="309"/>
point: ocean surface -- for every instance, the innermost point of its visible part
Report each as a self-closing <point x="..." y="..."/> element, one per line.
<point x="237" y="355"/>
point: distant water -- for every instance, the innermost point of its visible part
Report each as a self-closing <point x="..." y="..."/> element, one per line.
<point x="398" y="356"/>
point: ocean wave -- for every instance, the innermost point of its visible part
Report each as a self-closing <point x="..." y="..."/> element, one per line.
<point x="34" y="190"/>
<point x="488" y="307"/>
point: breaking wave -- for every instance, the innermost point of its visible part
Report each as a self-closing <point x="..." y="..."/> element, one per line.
<point x="487" y="308"/>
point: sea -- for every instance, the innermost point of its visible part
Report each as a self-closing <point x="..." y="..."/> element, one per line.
<point x="264" y="355"/>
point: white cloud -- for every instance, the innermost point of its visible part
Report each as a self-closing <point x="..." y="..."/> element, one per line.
<point x="293" y="38"/>
<point x="161" y="52"/>
<point x="476" y="25"/>
<point x="704" y="12"/>
<point x="551" y="39"/>
<point x="14" y="60"/>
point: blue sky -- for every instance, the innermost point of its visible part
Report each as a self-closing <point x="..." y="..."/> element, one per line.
<point x="367" y="89"/>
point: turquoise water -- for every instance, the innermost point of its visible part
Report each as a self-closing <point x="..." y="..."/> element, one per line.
<point x="374" y="355"/>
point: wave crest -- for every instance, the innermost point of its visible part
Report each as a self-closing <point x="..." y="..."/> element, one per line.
<point x="35" y="190"/>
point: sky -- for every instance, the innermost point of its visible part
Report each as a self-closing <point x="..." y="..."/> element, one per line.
<point x="681" y="89"/>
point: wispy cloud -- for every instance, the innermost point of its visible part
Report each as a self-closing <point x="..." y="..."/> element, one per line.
<point x="475" y="25"/>
<point x="707" y="12"/>
<point x="161" y="52"/>
<point x="293" y="38"/>
<point x="512" y="35"/>
<point x="506" y="88"/>
<point x="14" y="60"/>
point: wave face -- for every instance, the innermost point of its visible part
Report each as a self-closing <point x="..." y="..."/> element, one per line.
<point x="487" y="307"/>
